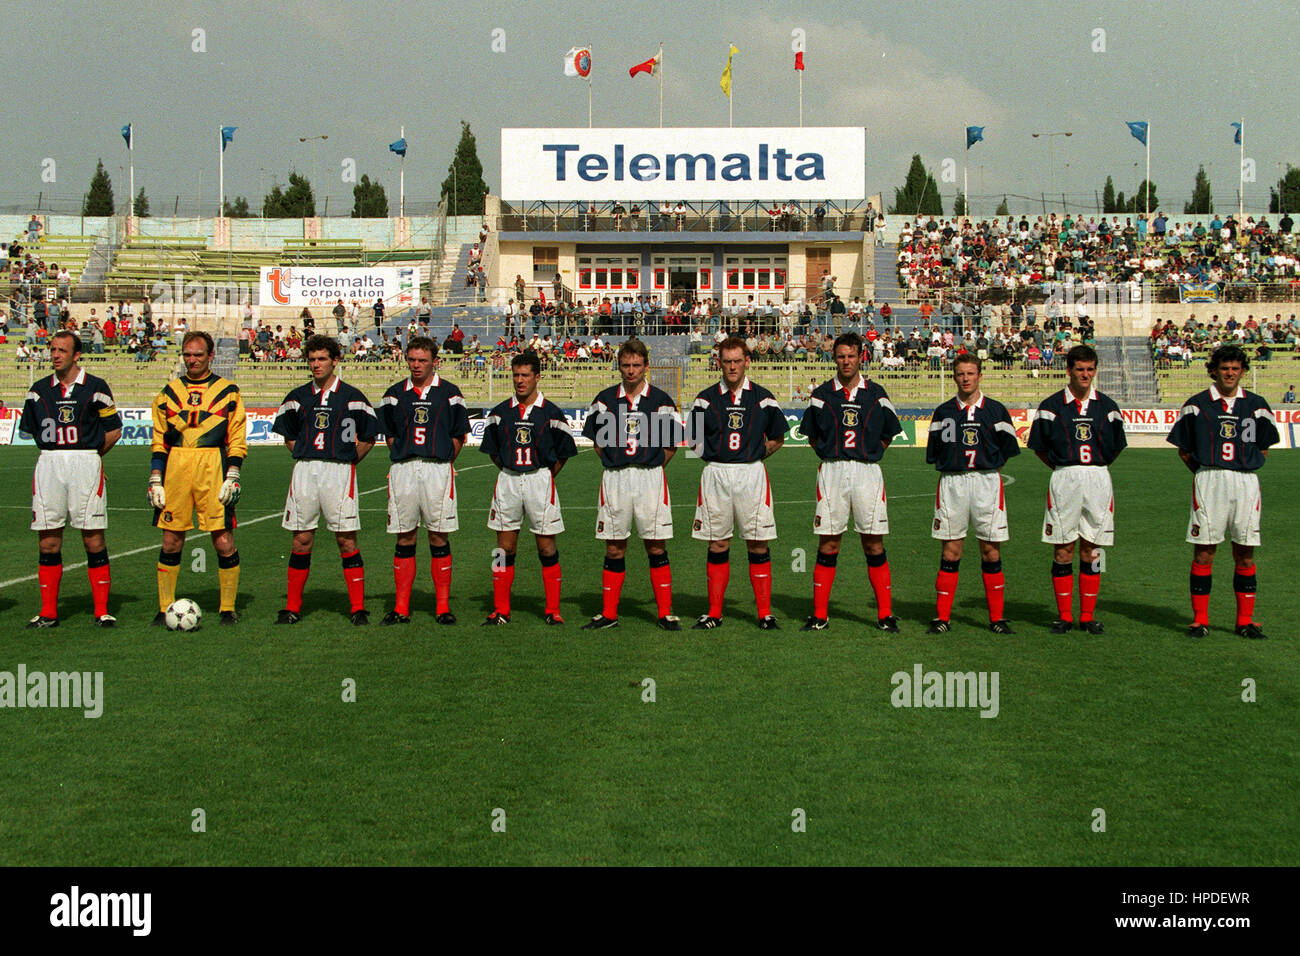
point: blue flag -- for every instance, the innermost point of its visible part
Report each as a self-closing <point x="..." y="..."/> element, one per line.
<point x="399" y="147"/>
<point x="126" y="134"/>
<point x="974" y="134"/>
<point x="1139" y="131"/>
<point x="227" y="136"/>
<point x="1236" y="137"/>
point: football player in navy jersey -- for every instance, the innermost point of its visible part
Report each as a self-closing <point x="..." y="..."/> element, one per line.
<point x="735" y="425"/>
<point x="635" y="428"/>
<point x="1223" y="436"/>
<point x="74" y="422"/>
<point x="328" y="427"/>
<point x="1078" y="432"/>
<point x="424" y="421"/>
<point x="971" y="438"/>
<point x="528" y="438"/>
<point x="849" y="423"/>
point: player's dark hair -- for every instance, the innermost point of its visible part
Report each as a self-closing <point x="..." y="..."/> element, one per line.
<point x="1080" y="353"/>
<point x="732" y="343"/>
<point x="423" y="343"/>
<point x="965" y="358"/>
<point x="851" y="339"/>
<point x="65" y="334"/>
<point x="527" y="358"/>
<point x="322" y="343"/>
<point x="633" y="346"/>
<point x="1227" y="353"/>
<point x="193" y="336"/>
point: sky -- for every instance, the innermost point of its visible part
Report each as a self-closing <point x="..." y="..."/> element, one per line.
<point x="914" y="75"/>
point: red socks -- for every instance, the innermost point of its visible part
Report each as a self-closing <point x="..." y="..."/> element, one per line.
<point x="1089" y="588"/>
<point x="354" y="575"/>
<point x="823" y="579"/>
<point x="50" y="573"/>
<point x="299" y="568"/>
<point x="881" y="583"/>
<point x="760" y="578"/>
<point x="1243" y="585"/>
<point x="1063" y="588"/>
<point x="719" y="571"/>
<point x="551" y="581"/>
<point x="661" y="580"/>
<point x="503" y="579"/>
<point x="403" y="577"/>
<point x="994" y="588"/>
<point x="440" y="570"/>
<point x="611" y="586"/>
<point x="1202" y="578"/>
<point x="97" y="571"/>
<point x="945" y="587"/>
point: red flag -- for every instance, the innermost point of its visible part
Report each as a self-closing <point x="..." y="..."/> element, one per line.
<point x="650" y="67"/>
<point x="798" y="61"/>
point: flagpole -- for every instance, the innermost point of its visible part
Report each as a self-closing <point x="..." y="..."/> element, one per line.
<point x="130" y="159"/>
<point x="731" y="90"/>
<point x="801" y="99"/>
<point x="1148" y="195"/>
<point x="661" y="85"/>
<point x="221" y="175"/>
<point x="401" y="177"/>
<point x="588" y="89"/>
<point x="1241" y="175"/>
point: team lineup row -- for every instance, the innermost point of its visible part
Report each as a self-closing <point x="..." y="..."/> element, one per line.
<point x="199" y="446"/>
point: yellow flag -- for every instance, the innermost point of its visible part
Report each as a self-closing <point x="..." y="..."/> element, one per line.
<point x="726" y="73"/>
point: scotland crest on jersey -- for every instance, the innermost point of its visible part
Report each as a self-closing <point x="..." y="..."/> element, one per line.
<point x="67" y="414"/>
<point x="421" y="415"/>
<point x="735" y="419"/>
<point x="1228" y="430"/>
<point x="322" y="419"/>
<point x="970" y="435"/>
<point x="523" y="433"/>
<point x="1083" y="431"/>
<point x="850" y="417"/>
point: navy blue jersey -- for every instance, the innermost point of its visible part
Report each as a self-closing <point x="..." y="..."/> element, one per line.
<point x="1223" y="432"/>
<point x="1078" y="432"/>
<point x="734" y="427"/>
<point x="326" y="425"/>
<point x="633" y="432"/>
<point x="850" y="424"/>
<point x="70" y="418"/>
<point x="422" y="422"/>
<point x="526" y="438"/>
<point x="975" y="437"/>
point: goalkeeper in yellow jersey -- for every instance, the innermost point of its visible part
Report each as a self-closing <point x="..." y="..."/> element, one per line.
<point x="199" y="445"/>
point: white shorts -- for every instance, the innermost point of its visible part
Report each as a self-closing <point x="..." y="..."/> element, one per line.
<point x="421" y="491"/>
<point x="68" y="487"/>
<point x="1225" y="504"/>
<point x="533" y="494"/>
<point x="1080" y="505"/>
<point x="637" y="496"/>
<point x="322" y="489"/>
<point x="731" y="495"/>
<point x="844" y="486"/>
<point x="970" y="497"/>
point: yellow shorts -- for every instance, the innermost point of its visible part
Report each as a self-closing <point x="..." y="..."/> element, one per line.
<point x="191" y="482"/>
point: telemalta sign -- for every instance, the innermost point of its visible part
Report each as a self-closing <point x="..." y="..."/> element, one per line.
<point x="311" y="285"/>
<point x="814" y="163"/>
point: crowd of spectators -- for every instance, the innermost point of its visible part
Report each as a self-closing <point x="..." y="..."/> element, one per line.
<point x="1017" y="253"/>
<point x="1174" y="347"/>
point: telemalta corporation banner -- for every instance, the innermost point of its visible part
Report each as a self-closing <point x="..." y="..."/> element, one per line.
<point x="313" y="285"/>
<point x="813" y="163"/>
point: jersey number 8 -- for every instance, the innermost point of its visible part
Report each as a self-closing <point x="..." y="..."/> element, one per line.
<point x="733" y="441"/>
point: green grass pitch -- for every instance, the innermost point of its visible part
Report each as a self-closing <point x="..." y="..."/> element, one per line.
<point x="549" y="724"/>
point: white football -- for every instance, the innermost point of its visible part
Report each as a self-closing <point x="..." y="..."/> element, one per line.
<point x="183" y="615"/>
